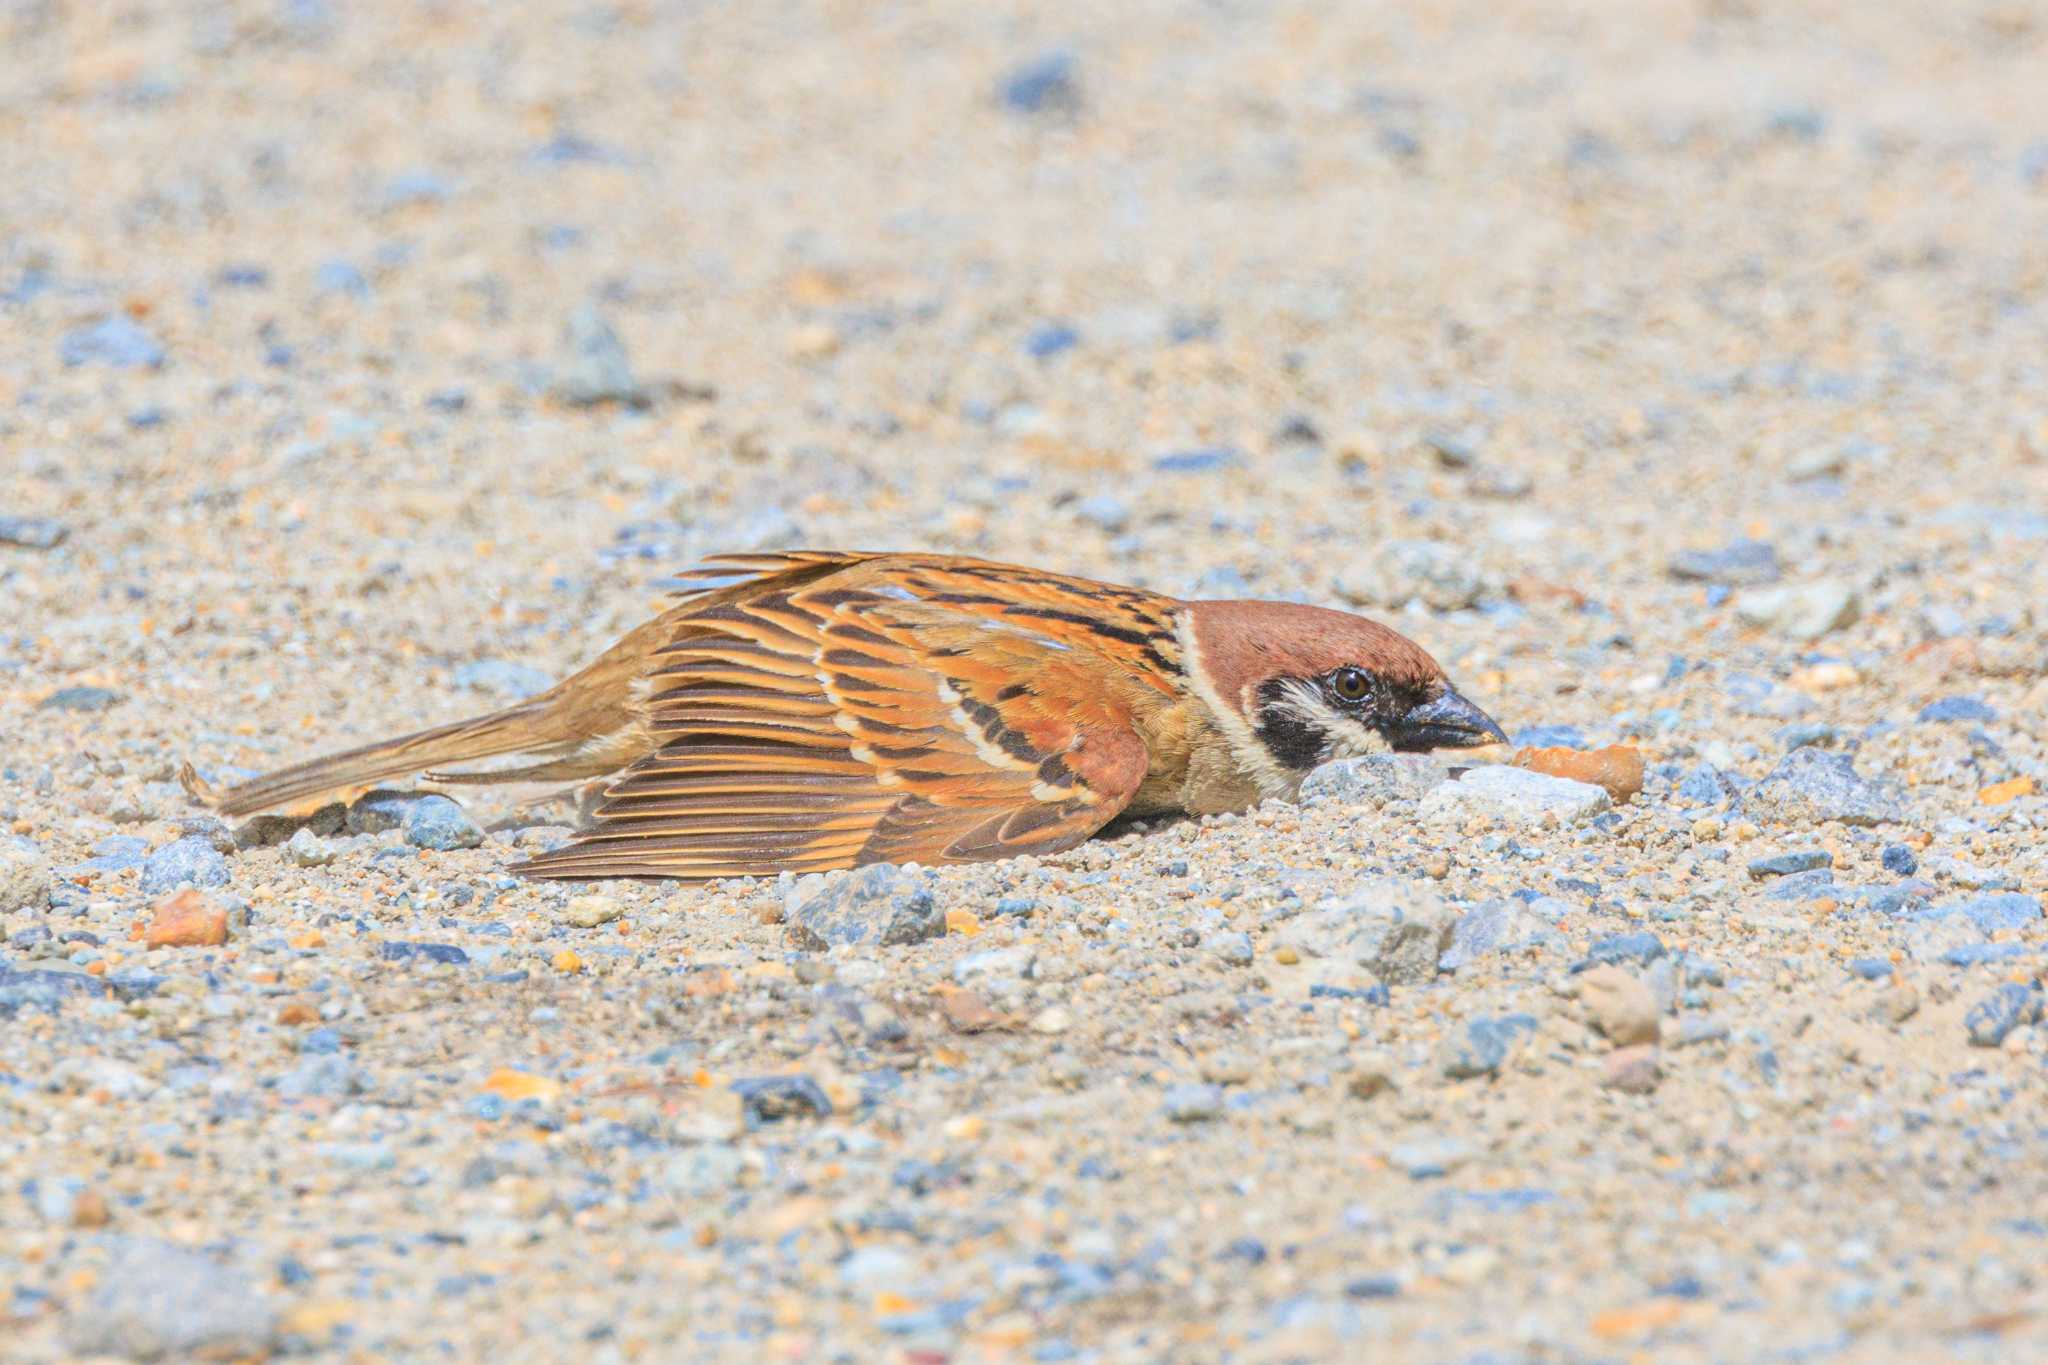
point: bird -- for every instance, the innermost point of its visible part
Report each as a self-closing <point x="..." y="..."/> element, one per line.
<point x="812" y="710"/>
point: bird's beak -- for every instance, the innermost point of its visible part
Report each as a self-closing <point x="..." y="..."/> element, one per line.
<point x="1448" y="722"/>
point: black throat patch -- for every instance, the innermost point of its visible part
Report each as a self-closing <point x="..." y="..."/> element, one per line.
<point x="1292" y="741"/>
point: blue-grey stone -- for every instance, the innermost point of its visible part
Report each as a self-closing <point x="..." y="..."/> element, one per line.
<point x="1047" y="84"/>
<point x="1899" y="859"/>
<point x="116" y="341"/>
<point x="339" y="277"/>
<point x="191" y="861"/>
<point x="1190" y="1102"/>
<point x="1749" y="695"/>
<point x="89" y="699"/>
<point x="414" y="187"/>
<point x="1231" y="946"/>
<point x="1871" y="968"/>
<point x="1104" y="510"/>
<point x="1483" y="1047"/>
<point x="1553" y="737"/>
<point x="1205" y="460"/>
<point x="769" y="1099"/>
<point x="1640" y="948"/>
<point x="326" y="1075"/>
<point x="2009" y="1007"/>
<point x="1043" y="343"/>
<point x="379" y="811"/>
<point x="1991" y="914"/>
<point x="593" y="368"/>
<point x="1801" y="886"/>
<point x="45" y="990"/>
<point x="1958" y="709"/>
<point x="872" y="906"/>
<point x="33" y="533"/>
<point x="399" y="950"/>
<point x="1978" y="954"/>
<point x="156" y="1299"/>
<point x="1813" y="785"/>
<point x="502" y="678"/>
<point x="1706" y="785"/>
<point x="1784" y="864"/>
<point x="1809" y="733"/>
<point x="1740" y="563"/>
<point x="436" y="822"/>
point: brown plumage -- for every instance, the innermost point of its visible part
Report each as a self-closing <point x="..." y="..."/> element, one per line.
<point x="814" y="710"/>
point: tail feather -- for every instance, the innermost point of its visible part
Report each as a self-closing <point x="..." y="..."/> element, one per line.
<point x="518" y="729"/>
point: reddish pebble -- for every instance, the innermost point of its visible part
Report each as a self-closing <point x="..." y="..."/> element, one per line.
<point x="1618" y="768"/>
<point x="187" y="920"/>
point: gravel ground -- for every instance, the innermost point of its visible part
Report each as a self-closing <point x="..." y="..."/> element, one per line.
<point x="1674" y="373"/>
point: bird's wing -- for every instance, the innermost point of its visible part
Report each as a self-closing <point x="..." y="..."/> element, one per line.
<point x="846" y="719"/>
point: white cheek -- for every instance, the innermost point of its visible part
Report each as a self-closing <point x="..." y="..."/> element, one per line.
<point x="1351" y="739"/>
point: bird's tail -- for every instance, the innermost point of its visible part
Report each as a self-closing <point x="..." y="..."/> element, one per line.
<point x="524" y="728"/>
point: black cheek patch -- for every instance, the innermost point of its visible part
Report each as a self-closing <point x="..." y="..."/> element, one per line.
<point x="1292" y="741"/>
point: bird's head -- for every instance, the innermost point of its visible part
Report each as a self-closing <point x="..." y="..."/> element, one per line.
<point x="1303" y="685"/>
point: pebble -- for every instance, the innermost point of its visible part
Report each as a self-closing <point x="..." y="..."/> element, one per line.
<point x="1958" y="710"/>
<point x="1047" y="84"/>
<point x="1434" y="573"/>
<point x="591" y="367"/>
<point x="435" y="822"/>
<point x="1375" y="779"/>
<point x="770" y="1099"/>
<point x="587" y="912"/>
<point x="2009" y="1007"/>
<point x="1515" y="796"/>
<point x="1740" y="563"/>
<point x="1706" y="785"/>
<point x="1638" y="946"/>
<point x="1395" y="930"/>
<point x="1899" y="859"/>
<point x="32" y="533"/>
<point x="189" y="919"/>
<point x="1431" y="1158"/>
<point x="1813" y="786"/>
<point x="1631" y="1070"/>
<point x="1497" y="926"/>
<point x="1484" y="1046"/>
<point x="874" y="906"/>
<point x="1192" y="1102"/>
<point x="1102" y="510"/>
<point x="1802" y="612"/>
<point x="307" y="849"/>
<point x="1784" y="864"/>
<point x="191" y="861"/>
<point x="116" y="342"/>
<point x="1619" y="1005"/>
<point x="90" y="700"/>
<point x="1232" y="947"/>
<point x="156" y="1299"/>
<point x="26" y="877"/>
<point x="1618" y="768"/>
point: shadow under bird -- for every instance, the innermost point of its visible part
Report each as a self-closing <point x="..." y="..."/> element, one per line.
<point x="811" y="710"/>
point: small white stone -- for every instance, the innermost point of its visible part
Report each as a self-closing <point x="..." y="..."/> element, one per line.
<point x="1515" y="795"/>
<point x="587" y="912"/>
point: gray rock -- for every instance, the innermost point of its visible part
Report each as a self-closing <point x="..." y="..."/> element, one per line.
<point x="1193" y="1103"/>
<point x="1375" y="779"/>
<point x="1784" y="864"/>
<point x="1706" y="785"/>
<point x="1497" y="926"/>
<point x="1970" y="876"/>
<point x="436" y="822"/>
<point x="1232" y="947"/>
<point x="1812" y="786"/>
<point x="1740" y="563"/>
<point x="1484" y="1046"/>
<point x="502" y="678"/>
<point x="1393" y="929"/>
<point x="87" y="699"/>
<point x="190" y="861"/>
<point x="1987" y="914"/>
<point x="1047" y="84"/>
<point x="1639" y="947"/>
<point x="157" y="1299"/>
<point x="1900" y="859"/>
<point x="45" y="990"/>
<point x="1439" y="575"/>
<point x="116" y="342"/>
<point x="26" y="877"/>
<point x="379" y="811"/>
<point x="325" y="1075"/>
<point x="1952" y="709"/>
<point x="1804" y="611"/>
<point x="307" y="849"/>
<point x="1750" y="695"/>
<point x="33" y="533"/>
<point x="593" y="368"/>
<point x="770" y="1099"/>
<point x="868" y="907"/>
<point x="1800" y="886"/>
<point x="1516" y="796"/>
<point x="2011" y="1006"/>
<point x="1110" y="513"/>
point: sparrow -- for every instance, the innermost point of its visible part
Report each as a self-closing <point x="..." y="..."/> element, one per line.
<point x="810" y="710"/>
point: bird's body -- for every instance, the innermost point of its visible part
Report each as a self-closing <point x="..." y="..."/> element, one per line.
<point x="813" y="710"/>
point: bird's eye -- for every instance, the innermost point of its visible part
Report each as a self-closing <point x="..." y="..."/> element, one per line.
<point x="1351" y="684"/>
